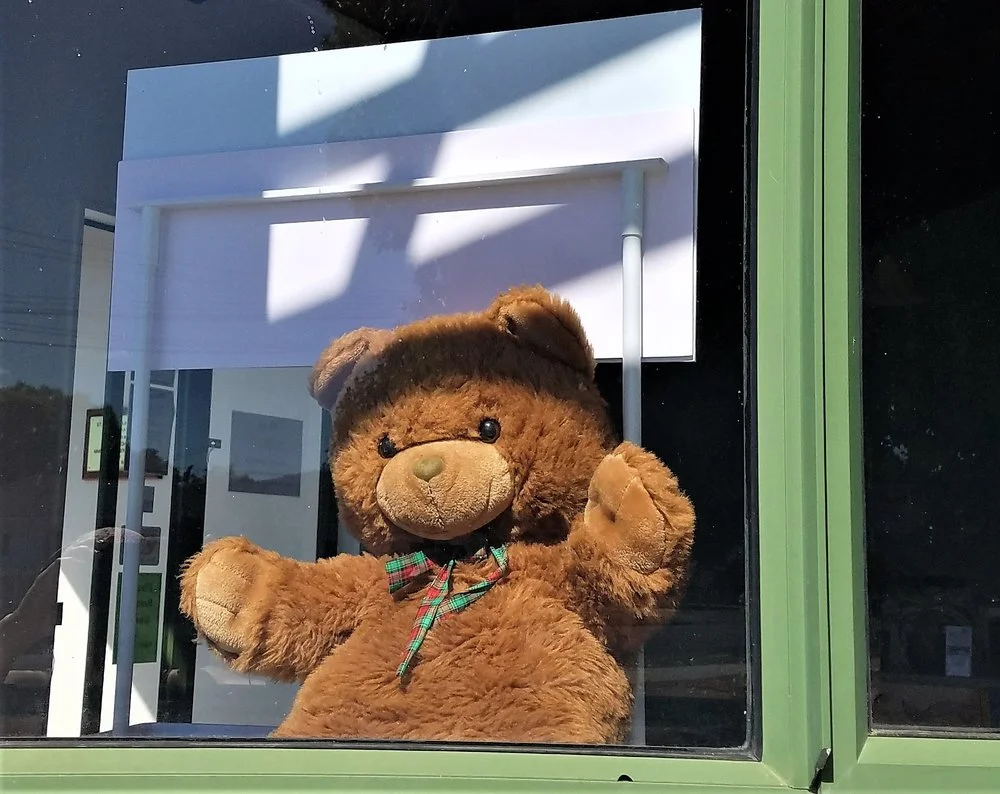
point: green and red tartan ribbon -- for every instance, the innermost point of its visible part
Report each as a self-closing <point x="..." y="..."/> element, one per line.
<point x="436" y="603"/>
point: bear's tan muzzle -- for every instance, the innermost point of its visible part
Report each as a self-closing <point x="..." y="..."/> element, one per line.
<point x="445" y="489"/>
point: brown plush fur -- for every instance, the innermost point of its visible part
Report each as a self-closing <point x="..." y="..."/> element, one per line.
<point x="599" y="537"/>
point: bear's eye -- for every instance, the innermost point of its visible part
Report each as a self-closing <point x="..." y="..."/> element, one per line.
<point x="489" y="430"/>
<point x="386" y="448"/>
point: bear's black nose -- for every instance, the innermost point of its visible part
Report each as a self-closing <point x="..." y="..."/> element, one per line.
<point x="428" y="468"/>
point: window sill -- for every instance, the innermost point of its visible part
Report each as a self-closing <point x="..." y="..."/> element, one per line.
<point x="107" y="769"/>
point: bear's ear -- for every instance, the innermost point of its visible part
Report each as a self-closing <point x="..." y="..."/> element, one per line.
<point x="545" y="323"/>
<point x="338" y="361"/>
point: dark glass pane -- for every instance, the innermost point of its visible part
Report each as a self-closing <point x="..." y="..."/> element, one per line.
<point x="931" y="281"/>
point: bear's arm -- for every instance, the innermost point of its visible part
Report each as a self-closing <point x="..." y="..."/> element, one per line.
<point x="271" y="615"/>
<point x="628" y="552"/>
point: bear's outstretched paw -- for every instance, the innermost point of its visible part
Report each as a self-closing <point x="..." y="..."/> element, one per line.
<point x="221" y="588"/>
<point x="637" y="510"/>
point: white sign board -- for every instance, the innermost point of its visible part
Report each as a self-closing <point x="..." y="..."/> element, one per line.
<point x="243" y="283"/>
<point x="247" y="284"/>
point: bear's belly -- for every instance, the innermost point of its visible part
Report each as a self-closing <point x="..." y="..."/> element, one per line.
<point x="493" y="672"/>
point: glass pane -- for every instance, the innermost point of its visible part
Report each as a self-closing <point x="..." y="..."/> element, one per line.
<point x="931" y="274"/>
<point x="235" y="444"/>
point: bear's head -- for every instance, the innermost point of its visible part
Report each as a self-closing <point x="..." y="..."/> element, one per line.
<point x="464" y="429"/>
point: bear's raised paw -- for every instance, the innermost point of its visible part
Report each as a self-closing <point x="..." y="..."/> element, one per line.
<point x="636" y="509"/>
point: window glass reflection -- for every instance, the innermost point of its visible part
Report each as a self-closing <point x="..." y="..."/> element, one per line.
<point x="64" y="418"/>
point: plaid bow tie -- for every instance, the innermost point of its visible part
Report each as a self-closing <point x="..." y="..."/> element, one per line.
<point x="436" y="604"/>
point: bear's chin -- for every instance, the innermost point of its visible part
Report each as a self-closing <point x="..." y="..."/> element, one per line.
<point x="494" y="533"/>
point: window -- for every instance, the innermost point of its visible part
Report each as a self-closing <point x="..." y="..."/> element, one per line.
<point x="834" y="428"/>
<point x="236" y="442"/>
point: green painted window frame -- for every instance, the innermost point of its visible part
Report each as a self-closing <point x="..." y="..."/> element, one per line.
<point x="864" y="761"/>
<point x="793" y="684"/>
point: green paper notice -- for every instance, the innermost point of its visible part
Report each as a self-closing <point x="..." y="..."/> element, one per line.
<point x="147" y="618"/>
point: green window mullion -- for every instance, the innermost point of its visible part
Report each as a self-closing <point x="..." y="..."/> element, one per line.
<point x="842" y="244"/>
<point x="789" y="355"/>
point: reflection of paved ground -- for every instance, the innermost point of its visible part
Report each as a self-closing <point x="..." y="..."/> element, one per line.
<point x="696" y="692"/>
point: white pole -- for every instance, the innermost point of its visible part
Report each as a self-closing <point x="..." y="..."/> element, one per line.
<point x="138" y="425"/>
<point x="633" y="210"/>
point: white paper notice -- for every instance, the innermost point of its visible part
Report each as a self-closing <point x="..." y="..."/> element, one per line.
<point x="958" y="651"/>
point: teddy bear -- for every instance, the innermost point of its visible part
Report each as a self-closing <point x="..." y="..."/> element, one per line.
<point x="515" y="556"/>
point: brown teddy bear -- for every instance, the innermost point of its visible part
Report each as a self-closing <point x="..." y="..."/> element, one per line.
<point x="515" y="556"/>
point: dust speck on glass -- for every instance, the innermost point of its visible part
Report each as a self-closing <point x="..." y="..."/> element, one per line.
<point x="235" y="445"/>
<point x="931" y="345"/>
